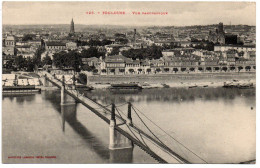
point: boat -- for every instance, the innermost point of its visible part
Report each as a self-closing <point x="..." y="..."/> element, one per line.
<point x="165" y="85"/>
<point x="245" y="85"/>
<point x="238" y="85"/>
<point x="146" y="86"/>
<point x="125" y="86"/>
<point x="193" y="86"/>
<point x="84" y="87"/>
<point x="20" y="89"/>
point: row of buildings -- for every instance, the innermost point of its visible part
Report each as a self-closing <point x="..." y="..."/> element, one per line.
<point x="183" y="55"/>
<point x="186" y="63"/>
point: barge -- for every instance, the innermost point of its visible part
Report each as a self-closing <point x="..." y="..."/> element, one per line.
<point x="238" y="85"/>
<point x="84" y="87"/>
<point x="20" y="89"/>
<point x="125" y="86"/>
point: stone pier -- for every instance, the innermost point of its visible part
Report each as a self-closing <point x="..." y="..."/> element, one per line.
<point x="116" y="140"/>
<point x="68" y="106"/>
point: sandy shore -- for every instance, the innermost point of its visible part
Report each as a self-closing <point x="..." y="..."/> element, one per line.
<point x="180" y="80"/>
<point x="176" y="85"/>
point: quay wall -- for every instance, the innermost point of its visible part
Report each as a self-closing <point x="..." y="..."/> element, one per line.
<point x="172" y="78"/>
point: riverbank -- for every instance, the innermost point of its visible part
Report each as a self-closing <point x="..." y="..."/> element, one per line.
<point x="174" y="80"/>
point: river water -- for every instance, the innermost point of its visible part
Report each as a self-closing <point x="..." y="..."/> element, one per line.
<point x="217" y="124"/>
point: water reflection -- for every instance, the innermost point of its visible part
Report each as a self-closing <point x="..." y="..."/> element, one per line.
<point x="69" y="115"/>
<point x="20" y="98"/>
<point x="121" y="156"/>
<point x="217" y="123"/>
<point x="170" y="95"/>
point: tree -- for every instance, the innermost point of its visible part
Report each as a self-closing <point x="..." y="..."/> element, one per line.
<point x="153" y="52"/>
<point x="106" y="42"/>
<point x="82" y="79"/>
<point x="29" y="65"/>
<point x="27" y="37"/>
<point x="88" y="68"/>
<point x="37" y="56"/>
<point x="9" y="64"/>
<point x="47" y="60"/>
<point x="19" y="62"/>
<point x="23" y="63"/>
<point x="90" y="52"/>
<point x="103" y="70"/>
<point x="115" y="51"/>
<point x="94" y="42"/>
<point x="121" y="40"/>
<point x="71" y="59"/>
<point x="140" y="70"/>
<point x="240" y="68"/>
<point x="59" y="59"/>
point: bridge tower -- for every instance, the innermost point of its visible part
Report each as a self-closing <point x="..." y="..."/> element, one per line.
<point x="68" y="105"/>
<point x="45" y="82"/>
<point x="117" y="140"/>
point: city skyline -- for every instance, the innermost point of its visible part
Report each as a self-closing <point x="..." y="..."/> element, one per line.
<point x="179" y="13"/>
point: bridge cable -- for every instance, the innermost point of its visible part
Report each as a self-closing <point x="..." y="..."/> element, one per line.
<point x="171" y="136"/>
<point x="149" y="140"/>
<point x="128" y="127"/>
<point x="157" y="137"/>
<point x="148" y="128"/>
<point x="131" y="130"/>
<point x="167" y="134"/>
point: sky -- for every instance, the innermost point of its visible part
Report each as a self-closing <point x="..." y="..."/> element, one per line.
<point x="179" y="13"/>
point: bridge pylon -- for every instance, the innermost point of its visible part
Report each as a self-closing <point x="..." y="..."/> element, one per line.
<point x="44" y="81"/>
<point x="68" y="105"/>
<point x="116" y="140"/>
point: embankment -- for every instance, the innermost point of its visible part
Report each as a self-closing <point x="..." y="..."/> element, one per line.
<point x="173" y="78"/>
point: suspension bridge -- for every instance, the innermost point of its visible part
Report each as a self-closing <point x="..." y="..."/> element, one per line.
<point x="127" y="127"/>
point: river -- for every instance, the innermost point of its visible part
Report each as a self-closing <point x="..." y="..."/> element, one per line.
<point x="217" y="124"/>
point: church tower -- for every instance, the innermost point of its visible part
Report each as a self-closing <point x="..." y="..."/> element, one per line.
<point x="72" y="31"/>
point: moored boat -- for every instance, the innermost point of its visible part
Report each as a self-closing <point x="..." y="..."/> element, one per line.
<point x="238" y="85"/>
<point x="193" y="86"/>
<point x="84" y="87"/>
<point x="125" y="86"/>
<point x="20" y="89"/>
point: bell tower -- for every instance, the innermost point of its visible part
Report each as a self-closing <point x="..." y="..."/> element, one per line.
<point x="72" y="31"/>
